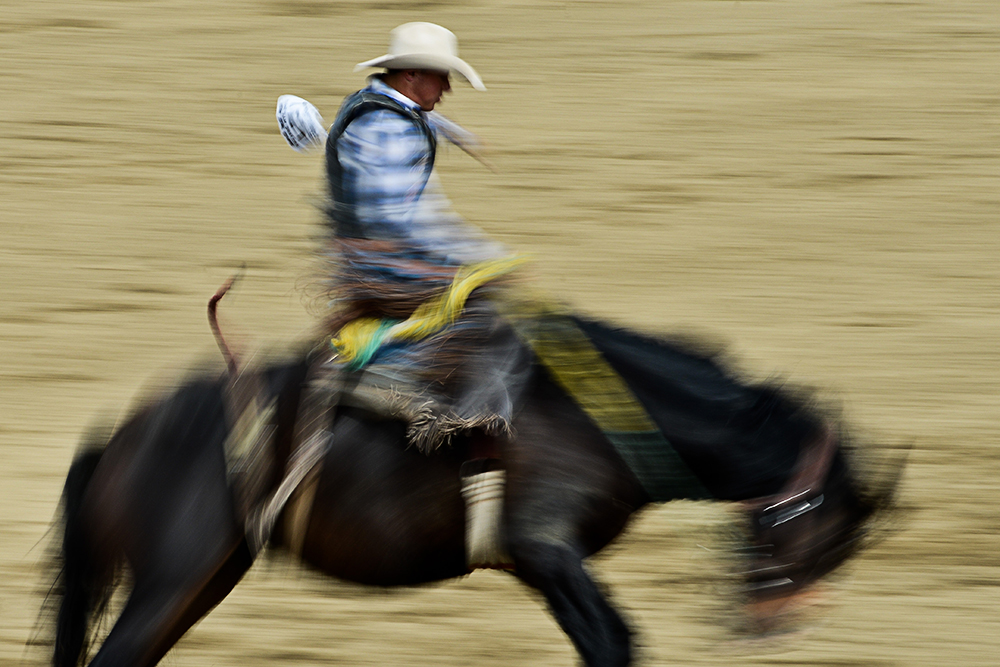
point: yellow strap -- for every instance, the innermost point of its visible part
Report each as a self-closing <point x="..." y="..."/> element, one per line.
<point x="436" y="314"/>
<point x="361" y="337"/>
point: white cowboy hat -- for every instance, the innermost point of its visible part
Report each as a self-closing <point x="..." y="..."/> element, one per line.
<point x="424" y="46"/>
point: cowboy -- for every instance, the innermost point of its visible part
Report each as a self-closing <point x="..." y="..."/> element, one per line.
<point x="396" y="245"/>
<point x="413" y="288"/>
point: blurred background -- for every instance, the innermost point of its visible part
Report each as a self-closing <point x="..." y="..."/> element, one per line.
<point x="814" y="184"/>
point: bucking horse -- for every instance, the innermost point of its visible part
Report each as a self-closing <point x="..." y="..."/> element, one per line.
<point x="157" y="496"/>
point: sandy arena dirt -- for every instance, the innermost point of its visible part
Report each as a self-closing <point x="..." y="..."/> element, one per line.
<point x="813" y="183"/>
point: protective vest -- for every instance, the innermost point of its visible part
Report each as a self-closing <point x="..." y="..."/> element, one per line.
<point x="341" y="213"/>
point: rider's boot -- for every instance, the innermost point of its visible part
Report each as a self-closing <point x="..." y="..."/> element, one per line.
<point x="311" y="439"/>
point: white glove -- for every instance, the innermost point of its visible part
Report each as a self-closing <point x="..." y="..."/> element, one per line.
<point x="300" y="123"/>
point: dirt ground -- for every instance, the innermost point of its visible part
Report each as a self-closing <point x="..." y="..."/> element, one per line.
<point x="812" y="183"/>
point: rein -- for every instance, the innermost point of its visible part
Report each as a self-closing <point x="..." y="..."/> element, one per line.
<point x="213" y="322"/>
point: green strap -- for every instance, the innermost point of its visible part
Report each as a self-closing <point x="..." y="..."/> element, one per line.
<point x="582" y="371"/>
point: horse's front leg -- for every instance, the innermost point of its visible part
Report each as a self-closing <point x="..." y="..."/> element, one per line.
<point x="556" y="570"/>
<point x="568" y="495"/>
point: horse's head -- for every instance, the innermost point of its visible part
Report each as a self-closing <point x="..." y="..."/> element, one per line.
<point x="821" y="517"/>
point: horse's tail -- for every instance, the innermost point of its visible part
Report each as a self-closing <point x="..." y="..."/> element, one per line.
<point x="82" y="587"/>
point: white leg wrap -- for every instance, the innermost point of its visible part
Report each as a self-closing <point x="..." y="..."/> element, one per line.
<point x="483" y="495"/>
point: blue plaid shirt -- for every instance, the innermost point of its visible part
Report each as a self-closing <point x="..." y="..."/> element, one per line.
<point x="385" y="158"/>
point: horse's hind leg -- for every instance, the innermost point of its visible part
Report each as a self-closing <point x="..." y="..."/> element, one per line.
<point x="163" y="607"/>
<point x="174" y="520"/>
<point x="595" y="628"/>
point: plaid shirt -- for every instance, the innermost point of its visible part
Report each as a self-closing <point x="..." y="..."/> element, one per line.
<point x="385" y="159"/>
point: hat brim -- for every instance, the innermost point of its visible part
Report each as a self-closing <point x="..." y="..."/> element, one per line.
<point x="440" y="63"/>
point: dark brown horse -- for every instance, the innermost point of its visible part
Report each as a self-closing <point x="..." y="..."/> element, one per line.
<point x="155" y="499"/>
